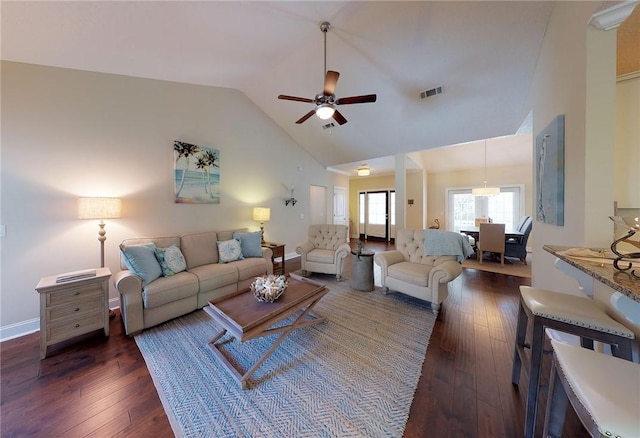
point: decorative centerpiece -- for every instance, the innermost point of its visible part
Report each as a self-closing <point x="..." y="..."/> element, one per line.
<point x="632" y="225"/>
<point x="269" y="288"/>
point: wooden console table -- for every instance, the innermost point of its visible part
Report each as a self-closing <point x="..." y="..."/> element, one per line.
<point x="72" y="308"/>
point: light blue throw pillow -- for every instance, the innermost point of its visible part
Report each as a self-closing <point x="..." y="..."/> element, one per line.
<point x="229" y="251"/>
<point x="250" y="243"/>
<point x="141" y="260"/>
<point x="171" y="260"/>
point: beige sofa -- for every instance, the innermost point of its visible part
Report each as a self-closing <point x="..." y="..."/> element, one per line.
<point x="326" y="248"/>
<point x="146" y="305"/>
<point x="408" y="270"/>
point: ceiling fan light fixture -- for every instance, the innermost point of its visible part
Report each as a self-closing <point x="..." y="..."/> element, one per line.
<point x="325" y="111"/>
<point x="364" y="171"/>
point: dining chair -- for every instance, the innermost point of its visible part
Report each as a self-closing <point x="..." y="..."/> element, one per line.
<point x="491" y="240"/>
<point x="517" y="246"/>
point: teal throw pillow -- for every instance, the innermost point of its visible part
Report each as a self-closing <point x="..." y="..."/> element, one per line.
<point x="141" y="260"/>
<point x="229" y="251"/>
<point x="171" y="260"/>
<point x="250" y="243"/>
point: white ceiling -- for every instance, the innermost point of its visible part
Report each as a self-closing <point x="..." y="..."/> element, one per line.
<point x="483" y="53"/>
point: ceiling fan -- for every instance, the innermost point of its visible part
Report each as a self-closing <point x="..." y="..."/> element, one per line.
<point x="326" y="101"/>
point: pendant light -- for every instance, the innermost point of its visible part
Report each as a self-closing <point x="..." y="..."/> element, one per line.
<point x="485" y="191"/>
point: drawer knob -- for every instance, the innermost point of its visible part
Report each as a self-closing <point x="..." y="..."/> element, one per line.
<point x="77" y="293"/>
<point x="77" y="309"/>
<point x="77" y="325"/>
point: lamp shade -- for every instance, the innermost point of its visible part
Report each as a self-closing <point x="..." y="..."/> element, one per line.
<point x="485" y="191"/>
<point x="261" y="214"/>
<point x="99" y="208"/>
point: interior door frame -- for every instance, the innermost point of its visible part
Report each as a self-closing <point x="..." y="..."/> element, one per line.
<point x="362" y="233"/>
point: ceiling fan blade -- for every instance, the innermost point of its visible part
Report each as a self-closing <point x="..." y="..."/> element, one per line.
<point x="305" y="117"/>
<point x="356" y="99"/>
<point x="339" y="118"/>
<point x="330" y="82"/>
<point x="294" y="98"/>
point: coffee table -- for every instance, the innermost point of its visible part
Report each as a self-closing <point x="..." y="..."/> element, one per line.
<point x="245" y="318"/>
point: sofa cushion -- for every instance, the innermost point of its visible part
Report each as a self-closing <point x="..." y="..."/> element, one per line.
<point x="321" y="255"/>
<point x="250" y="243"/>
<point x="199" y="248"/>
<point x="168" y="289"/>
<point x="160" y="242"/>
<point x="251" y="267"/>
<point x="216" y="275"/>
<point x="414" y="273"/>
<point x="171" y="260"/>
<point x="141" y="260"/>
<point x="229" y="251"/>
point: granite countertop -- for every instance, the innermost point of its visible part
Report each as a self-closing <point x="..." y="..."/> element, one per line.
<point x="622" y="281"/>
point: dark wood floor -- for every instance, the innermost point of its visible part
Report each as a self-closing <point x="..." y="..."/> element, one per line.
<point x="101" y="387"/>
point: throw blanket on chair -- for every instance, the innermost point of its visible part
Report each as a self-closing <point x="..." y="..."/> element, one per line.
<point x="438" y="242"/>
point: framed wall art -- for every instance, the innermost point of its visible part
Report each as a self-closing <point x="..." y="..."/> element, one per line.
<point x="550" y="173"/>
<point x="196" y="174"/>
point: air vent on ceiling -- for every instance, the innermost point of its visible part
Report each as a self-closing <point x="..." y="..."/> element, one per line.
<point x="432" y="92"/>
<point x="328" y="126"/>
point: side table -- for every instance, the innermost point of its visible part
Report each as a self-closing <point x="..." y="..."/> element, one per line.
<point x="278" y="253"/>
<point x="73" y="304"/>
<point x="362" y="271"/>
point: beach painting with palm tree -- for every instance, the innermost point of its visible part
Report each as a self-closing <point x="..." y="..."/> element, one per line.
<point x="196" y="174"/>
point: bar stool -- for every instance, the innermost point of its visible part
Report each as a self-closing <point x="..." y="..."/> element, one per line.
<point x="566" y="313"/>
<point x="607" y="407"/>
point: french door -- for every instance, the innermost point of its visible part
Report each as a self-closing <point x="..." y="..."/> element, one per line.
<point x="376" y="214"/>
<point x="506" y="208"/>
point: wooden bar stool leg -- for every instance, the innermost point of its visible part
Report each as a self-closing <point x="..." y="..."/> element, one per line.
<point x="521" y="333"/>
<point x="537" y="349"/>
<point x="557" y="404"/>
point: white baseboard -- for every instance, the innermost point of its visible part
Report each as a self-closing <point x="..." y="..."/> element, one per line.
<point x="18" y="329"/>
<point x="29" y="326"/>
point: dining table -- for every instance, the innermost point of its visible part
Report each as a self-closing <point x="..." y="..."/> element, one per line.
<point x="475" y="233"/>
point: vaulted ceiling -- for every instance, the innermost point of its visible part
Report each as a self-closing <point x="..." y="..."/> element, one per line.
<point x="483" y="54"/>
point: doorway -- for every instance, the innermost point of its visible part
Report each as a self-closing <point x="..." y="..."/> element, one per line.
<point x="340" y="205"/>
<point x="376" y="212"/>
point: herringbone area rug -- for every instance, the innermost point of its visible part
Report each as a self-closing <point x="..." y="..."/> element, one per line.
<point x="354" y="376"/>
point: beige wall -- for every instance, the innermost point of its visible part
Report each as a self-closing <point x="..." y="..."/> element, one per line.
<point x="68" y="133"/>
<point x="566" y="73"/>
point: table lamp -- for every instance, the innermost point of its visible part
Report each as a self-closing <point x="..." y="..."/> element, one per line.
<point x="262" y="215"/>
<point x="100" y="208"/>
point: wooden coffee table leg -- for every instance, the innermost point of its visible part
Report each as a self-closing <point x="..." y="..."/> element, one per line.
<point x="218" y="336"/>
<point x="286" y="331"/>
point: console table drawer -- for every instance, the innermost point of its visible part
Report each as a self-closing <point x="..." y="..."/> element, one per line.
<point x="77" y="309"/>
<point x="73" y="294"/>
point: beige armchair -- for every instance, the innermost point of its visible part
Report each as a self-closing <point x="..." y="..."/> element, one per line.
<point x="325" y="249"/>
<point x="410" y="268"/>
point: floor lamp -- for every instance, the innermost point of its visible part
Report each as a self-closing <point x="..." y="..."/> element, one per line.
<point x="100" y="208"/>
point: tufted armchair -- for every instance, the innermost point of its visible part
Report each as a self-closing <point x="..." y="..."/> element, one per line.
<point x="408" y="270"/>
<point x="325" y="249"/>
